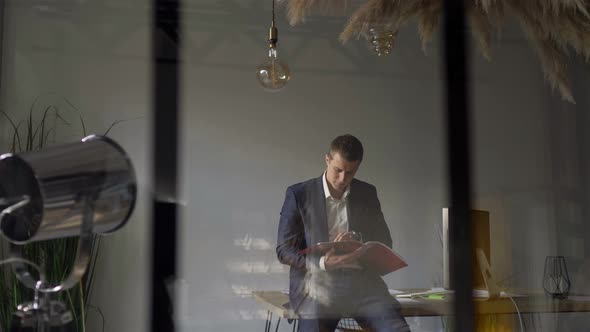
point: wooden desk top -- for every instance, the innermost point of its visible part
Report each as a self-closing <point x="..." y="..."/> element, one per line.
<point x="277" y="303"/>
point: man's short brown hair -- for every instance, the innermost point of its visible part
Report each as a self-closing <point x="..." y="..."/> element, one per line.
<point x="349" y="147"/>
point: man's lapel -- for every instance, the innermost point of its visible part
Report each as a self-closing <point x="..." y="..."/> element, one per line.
<point x="320" y="218"/>
<point x="353" y="208"/>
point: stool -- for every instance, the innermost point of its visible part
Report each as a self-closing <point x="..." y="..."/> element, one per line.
<point x="348" y="325"/>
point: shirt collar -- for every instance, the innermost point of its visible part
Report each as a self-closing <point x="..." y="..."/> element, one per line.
<point x="327" y="190"/>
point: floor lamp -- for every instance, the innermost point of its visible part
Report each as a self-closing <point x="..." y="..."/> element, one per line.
<point x="77" y="189"/>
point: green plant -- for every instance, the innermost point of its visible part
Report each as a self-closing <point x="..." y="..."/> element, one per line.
<point x="55" y="257"/>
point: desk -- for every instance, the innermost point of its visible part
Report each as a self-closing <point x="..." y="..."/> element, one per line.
<point x="276" y="303"/>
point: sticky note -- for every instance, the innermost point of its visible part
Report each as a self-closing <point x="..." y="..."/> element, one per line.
<point x="435" y="297"/>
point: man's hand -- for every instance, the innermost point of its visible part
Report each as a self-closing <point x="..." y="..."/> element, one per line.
<point x="333" y="261"/>
<point x="346" y="236"/>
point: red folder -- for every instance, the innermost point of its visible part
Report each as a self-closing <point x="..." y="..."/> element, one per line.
<point x="376" y="256"/>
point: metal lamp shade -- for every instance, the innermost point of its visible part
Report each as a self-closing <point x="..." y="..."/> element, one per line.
<point x="556" y="280"/>
<point x="55" y="179"/>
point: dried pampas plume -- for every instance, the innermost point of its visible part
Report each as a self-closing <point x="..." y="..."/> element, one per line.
<point x="298" y="10"/>
<point x="553" y="26"/>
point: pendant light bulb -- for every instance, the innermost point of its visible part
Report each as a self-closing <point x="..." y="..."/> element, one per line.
<point x="273" y="74"/>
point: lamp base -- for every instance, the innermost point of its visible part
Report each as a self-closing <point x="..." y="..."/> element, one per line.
<point x="41" y="316"/>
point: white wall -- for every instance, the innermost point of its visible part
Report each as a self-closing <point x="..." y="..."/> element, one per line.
<point x="242" y="146"/>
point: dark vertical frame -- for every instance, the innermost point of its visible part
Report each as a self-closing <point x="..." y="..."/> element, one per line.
<point x="2" y="26"/>
<point x="458" y="156"/>
<point x="583" y="138"/>
<point x="165" y="93"/>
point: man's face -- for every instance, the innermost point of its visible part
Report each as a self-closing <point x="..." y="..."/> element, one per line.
<point x="339" y="171"/>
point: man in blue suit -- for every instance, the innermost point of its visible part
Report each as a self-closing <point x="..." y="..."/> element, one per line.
<point x="336" y="207"/>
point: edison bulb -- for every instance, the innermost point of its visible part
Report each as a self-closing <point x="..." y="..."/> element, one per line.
<point x="274" y="74"/>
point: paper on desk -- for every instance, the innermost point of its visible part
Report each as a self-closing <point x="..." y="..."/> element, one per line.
<point x="401" y="296"/>
<point x="477" y="293"/>
<point x="407" y="301"/>
<point x="484" y="294"/>
<point x="432" y="291"/>
<point x="396" y="292"/>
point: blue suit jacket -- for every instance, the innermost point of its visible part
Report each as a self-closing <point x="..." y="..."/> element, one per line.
<point x="304" y="223"/>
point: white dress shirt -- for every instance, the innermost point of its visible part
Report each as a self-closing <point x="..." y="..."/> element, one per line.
<point x="336" y="210"/>
<point x="337" y="214"/>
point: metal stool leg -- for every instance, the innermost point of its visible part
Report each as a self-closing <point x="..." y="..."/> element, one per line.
<point x="268" y="321"/>
<point x="278" y="323"/>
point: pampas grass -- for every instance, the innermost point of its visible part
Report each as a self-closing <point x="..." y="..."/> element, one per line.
<point x="298" y="10"/>
<point x="553" y="27"/>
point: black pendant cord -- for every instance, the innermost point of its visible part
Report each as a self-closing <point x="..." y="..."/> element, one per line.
<point x="458" y="155"/>
<point x="165" y="108"/>
<point x="273" y="13"/>
<point x="273" y="33"/>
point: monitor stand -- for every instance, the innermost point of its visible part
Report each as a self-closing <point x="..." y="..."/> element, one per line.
<point x="486" y="271"/>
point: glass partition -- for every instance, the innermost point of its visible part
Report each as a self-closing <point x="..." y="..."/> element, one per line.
<point x="265" y="88"/>
<point x="529" y="162"/>
<point x="243" y="146"/>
